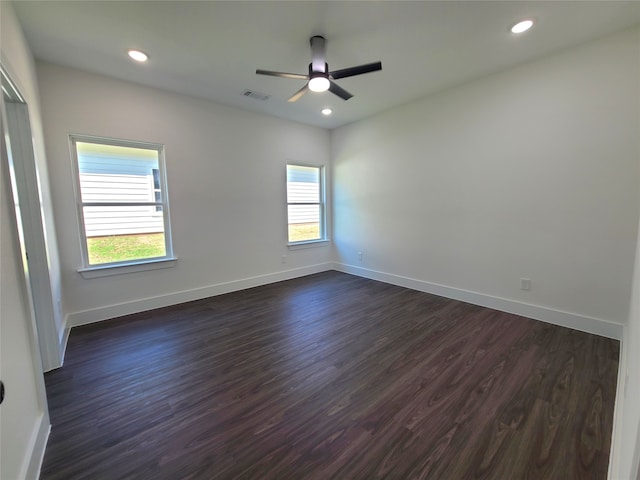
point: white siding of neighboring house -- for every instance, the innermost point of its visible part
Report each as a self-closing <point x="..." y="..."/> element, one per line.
<point x="109" y="179"/>
<point x="303" y="186"/>
<point x="304" y="192"/>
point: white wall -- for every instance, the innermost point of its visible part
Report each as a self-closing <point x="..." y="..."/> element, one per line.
<point x="24" y="419"/>
<point x="226" y="176"/>
<point x="532" y="172"/>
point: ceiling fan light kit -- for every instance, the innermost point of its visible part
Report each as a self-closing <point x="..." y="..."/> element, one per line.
<point x="320" y="79"/>
<point x="319" y="84"/>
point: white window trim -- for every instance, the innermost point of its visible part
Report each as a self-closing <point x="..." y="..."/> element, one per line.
<point x="154" y="190"/>
<point x="308" y="244"/>
<point x="108" y="269"/>
<point x="127" y="266"/>
<point x="323" y="207"/>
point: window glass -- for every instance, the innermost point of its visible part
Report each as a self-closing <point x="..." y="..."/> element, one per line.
<point x="123" y="202"/>
<point x="305" y="203"/>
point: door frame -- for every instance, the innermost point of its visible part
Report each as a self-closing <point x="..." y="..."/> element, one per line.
<point x="18" y="153"/>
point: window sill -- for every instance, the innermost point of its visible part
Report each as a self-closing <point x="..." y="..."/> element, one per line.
<point x="309" y="244"/>
<point x="142" y="266"/>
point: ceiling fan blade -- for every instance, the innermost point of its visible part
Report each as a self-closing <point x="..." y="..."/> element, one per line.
<point x="318" y="57"/>
<point x="359" y="70"/>
<point x="339" y="91"/>
<point x="295" y="76"/>
<point x="296" y="96"/>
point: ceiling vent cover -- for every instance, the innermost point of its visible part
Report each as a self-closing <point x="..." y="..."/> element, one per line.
<point x="256" y="95"/>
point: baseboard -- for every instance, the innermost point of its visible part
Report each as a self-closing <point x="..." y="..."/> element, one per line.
<point x="141" y="305"/>
<point x="39" y="444"/>
<point x="557" y="317"/>
<point x="592" y="325"/>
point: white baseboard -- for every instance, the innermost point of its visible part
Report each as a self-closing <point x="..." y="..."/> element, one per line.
<point x="38" y="445"/>
<point x="557" y="317"/>
<point x="596" y="326"/>
<point x="135" y="306"/>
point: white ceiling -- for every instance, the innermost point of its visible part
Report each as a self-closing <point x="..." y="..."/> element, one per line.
<point x="211" y="49"/>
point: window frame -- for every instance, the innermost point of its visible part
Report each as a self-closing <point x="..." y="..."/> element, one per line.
<point x="155" y="191"/>
<point x="89" y="270"/>
<point x="321" y="203"/>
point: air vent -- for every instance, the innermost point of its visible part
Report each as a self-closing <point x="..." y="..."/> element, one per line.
<point x="256" y="95"/>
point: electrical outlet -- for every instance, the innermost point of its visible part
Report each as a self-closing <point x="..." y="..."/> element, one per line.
<point x="525" y="284"/>
<point x="360" y="256"/>
<point x="284" y="259"/>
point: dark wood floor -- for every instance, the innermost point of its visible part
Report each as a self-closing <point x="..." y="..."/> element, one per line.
<point x="331" y="377"/>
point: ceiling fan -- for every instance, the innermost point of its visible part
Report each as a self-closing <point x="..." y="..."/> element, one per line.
<point x="320" y="79"/>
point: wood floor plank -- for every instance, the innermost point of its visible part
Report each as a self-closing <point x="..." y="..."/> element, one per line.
<point x="331" y="376"/>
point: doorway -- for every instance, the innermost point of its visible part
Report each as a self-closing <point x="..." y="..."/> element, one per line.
<point x="25" y="190"/>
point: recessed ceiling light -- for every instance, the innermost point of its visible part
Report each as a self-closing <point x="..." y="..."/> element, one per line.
<point x="522" y="26"/>
<point x="138" y="56"/>
<point x="327" y="111"/>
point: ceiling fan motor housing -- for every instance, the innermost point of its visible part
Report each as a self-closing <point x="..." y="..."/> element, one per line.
<point x="318" y="73"/>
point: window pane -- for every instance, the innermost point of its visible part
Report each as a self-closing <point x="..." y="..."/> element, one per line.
<point x="110" y="173"/>
<point x="303" y="184"/>
<point x="304" y="203"/>
<point x="304" y="223"/>
<point x="121" y="233"/>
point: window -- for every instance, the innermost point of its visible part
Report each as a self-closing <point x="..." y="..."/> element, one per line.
<point x="122" y="202"/>
<point x="305" y="204"/>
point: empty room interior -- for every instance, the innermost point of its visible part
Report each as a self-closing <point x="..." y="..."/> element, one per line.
<point x="320" y="240"/>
